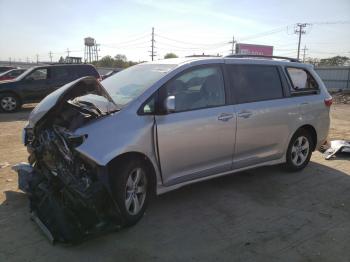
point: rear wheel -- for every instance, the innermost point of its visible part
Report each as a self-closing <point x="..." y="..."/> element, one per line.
<point x="131" y="186"/>
<point x="9" y="102"/>
<point x="299" y="150"/>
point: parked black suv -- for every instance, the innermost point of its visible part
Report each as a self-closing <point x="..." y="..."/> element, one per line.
<point x="38" y="82"/>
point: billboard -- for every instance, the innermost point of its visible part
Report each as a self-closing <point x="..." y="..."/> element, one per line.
<point x="248" y="49"/>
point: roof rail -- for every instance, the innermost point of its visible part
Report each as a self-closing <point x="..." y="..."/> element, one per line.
<point x="265" y="56"/>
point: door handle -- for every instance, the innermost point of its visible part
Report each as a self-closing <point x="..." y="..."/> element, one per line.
<point x="225" y="117"/>
<point x="244" y="114"/>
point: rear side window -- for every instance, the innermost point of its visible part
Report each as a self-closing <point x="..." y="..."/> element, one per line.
<point x="38" y="74"/>
<point x="60" y="73"/>
<point x="252" y="83"/>
<point x="88" y="71"/>
<point x="301" y="80"/>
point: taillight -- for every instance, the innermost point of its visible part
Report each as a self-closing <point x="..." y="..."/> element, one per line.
<point x="328" y="101"/>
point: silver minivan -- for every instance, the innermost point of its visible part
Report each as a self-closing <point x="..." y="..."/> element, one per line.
<point x="99" y="151"/>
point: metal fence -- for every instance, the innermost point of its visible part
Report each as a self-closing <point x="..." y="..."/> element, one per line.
<point x="335" y="78"/>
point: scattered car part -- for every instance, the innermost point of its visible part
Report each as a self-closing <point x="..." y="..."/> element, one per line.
<point x="337" y="146"/>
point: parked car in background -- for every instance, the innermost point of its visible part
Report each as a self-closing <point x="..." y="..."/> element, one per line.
<point x="100" y="150"/>
<point x="11" y="74"/>
<point x="110" y="73"/>
<point x="38" y="82"/>
<point x="6" y="68"/>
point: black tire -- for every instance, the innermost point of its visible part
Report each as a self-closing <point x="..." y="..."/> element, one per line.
<point x="9" y="102"/>
<point x="299" y="141"/>
<point x="120" y="174"/>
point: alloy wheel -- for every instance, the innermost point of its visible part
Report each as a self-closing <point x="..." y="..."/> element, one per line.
<point x="135" y="191"/>
<point x="8" y="103"/>
<point x="300" y="150"/>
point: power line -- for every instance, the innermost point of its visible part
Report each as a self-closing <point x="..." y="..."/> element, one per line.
<point x="191" y="48"/>
<point x="334" y="53"/>
<point x="331" y="22"/>
<point x="125" y="43"/>
<point x="187" y="43"/>
<point x="266" y="33"/>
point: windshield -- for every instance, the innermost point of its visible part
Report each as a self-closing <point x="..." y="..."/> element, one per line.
<point x="21" y="76"/>
<point x="128" y="84"/>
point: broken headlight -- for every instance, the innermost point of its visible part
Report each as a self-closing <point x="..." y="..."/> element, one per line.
<point x="27" y="135"/>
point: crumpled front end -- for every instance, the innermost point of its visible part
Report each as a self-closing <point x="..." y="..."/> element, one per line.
<point x="70" y="197"/>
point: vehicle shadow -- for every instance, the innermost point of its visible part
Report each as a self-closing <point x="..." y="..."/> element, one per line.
<point x="21" y="115"/>
<point x="265" y="212"/>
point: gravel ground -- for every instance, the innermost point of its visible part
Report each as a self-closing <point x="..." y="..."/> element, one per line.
<point x="265" y="214"/>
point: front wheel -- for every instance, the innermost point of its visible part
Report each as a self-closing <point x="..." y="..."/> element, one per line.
<point x="9" y="102"/>
<point x="299" y="151"/>
<point x="131" y="186"/>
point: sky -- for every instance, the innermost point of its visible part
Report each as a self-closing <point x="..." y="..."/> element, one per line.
<point x="184" y="27"/>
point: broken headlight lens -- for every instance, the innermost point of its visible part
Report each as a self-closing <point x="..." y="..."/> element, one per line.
<point x="27" y="135"/>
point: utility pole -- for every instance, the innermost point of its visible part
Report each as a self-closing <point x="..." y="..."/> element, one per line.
<point x="304" y="50"/>
<point x="233" y="45"/>
<point x="152" y="46"/>
<point x="97" y="48"/>
<point x="50" y="54"/>
<point x="37" y="59"/>
<point x="27" y="59"/>
<point x="68" y="52"/>
<point x="300" y="31"/>
<point x="10" y="60"/>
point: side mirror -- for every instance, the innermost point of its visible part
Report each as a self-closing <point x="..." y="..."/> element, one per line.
<point x="169" y="104"/>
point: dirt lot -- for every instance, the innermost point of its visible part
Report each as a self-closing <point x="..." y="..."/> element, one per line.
<point x="265" y="214"/>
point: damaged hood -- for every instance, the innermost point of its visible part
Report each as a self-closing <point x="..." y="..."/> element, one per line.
<point x="86" y="89"/>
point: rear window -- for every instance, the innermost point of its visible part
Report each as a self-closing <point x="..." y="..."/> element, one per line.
<point x="252" y="83"/>
<point x="301" y="80"/>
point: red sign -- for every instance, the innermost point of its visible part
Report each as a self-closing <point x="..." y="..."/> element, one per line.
<point x="248" y="49"/>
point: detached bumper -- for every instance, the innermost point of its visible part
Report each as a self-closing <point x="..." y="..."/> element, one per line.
<point x="25" y="175"/>
<point x="62" y="214"/>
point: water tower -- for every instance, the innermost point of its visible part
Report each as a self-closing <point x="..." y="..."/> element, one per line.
<point x="91" y="52"/>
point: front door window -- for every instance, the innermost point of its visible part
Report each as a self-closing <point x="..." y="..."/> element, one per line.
<point x="38" y="74"/>
<point x="198" y="88"/>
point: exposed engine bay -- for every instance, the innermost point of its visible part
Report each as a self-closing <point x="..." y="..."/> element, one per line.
<point x="70" y="197"/>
